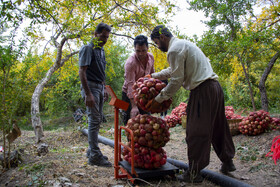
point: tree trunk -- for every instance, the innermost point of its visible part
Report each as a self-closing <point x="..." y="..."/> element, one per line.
<point x="35" y="101"/>
<point x="248" y="82"/>
<point x="264" y="100"/>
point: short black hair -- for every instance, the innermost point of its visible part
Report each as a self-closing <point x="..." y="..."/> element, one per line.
<point x="160" y="29"/>
<point x="101" y="26"/>
<point x="141" y="40"/>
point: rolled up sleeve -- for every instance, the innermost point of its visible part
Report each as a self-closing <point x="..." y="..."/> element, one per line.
<point x="130" y="79"/>
<point x="163" y="74"/>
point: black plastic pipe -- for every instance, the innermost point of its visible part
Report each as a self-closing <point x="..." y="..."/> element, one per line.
<point x="217" y="178"/>
<point x="101" y="139"/>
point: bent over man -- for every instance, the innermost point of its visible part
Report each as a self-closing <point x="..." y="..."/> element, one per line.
<point x="206" y="120"/>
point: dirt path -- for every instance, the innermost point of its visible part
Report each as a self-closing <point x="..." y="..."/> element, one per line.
<point x="66" y="164"/>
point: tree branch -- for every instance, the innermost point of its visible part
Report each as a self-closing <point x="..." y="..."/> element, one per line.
<point x="67" y="57"/>
<point x="122" y="35"/>
<point x="269" y="67"/>
<point x="271" y="24"/>
<point x="129" y="37"/>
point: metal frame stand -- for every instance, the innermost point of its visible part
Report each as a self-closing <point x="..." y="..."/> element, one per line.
<point x="122" y="169"/>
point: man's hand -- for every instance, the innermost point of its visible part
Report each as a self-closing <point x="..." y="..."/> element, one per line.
<point x="154" y="106"/>
<point x="106" y="95"/>
<point x="134" y="112"/>
<point x="89" y="100"/>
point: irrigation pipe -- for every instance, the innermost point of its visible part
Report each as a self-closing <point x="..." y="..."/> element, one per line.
<point x="217" y="178"/>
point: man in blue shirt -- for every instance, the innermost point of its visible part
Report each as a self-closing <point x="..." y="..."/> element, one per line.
<point x="92" y="64"/>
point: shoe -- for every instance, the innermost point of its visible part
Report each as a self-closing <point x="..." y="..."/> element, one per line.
<point x="100" y="161"/>
<point x="88" y="153"/>
<point x="227" y="167"/>
<point x="189" y="177"/>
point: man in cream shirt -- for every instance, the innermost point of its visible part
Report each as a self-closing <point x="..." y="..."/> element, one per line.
<point x="206" y="120"/>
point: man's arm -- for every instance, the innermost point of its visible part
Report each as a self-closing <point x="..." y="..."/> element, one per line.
<point x="130" y="79"/>
<point x="163" y="74"/>
<point x="176" y="72"/>
<point x="134" y="109"/>
<point x="89" y="99"/>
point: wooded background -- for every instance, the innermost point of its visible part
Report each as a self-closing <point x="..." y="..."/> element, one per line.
<point x="40" y="41"/>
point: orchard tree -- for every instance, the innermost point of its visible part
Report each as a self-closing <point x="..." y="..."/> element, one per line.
<point x="245" y="38"/>
<point x="226" y="15"/>
<point x="258" y="40"/>
<point x="268" y="23"/>
<point x="70" y="24"/>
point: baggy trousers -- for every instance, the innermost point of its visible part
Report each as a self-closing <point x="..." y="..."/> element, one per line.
<point x="95" y="115"/>
<point x="206" y="125"/>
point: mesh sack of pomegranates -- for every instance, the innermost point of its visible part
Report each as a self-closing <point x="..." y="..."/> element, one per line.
<point x="255" y="123"/>
<point x="172" y="120"/>
<point x="145" y="157"/>
<point x="148" y="131"/>
<point x="150" y="135"/>
<point x="146" y="89"/>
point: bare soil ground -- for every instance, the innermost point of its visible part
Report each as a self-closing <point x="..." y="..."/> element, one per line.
<point x="66" y="163"/>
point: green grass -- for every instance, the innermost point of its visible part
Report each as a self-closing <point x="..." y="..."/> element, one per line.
<point x="247" y="152"/>
<point x="61" y="150"/>
<point x="36" y="173"/>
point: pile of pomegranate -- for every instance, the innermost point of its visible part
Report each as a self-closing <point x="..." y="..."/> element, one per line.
<point x="180" y="110"/>
<point x="176" y="115"/>
<point x="275" y="124"/>
<point x="229" y="111"/>
<point x="172" y="120"/>
<point x="146" y="89"/>
<point x="150" y="135"/>
<point x="255" y="123"/>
